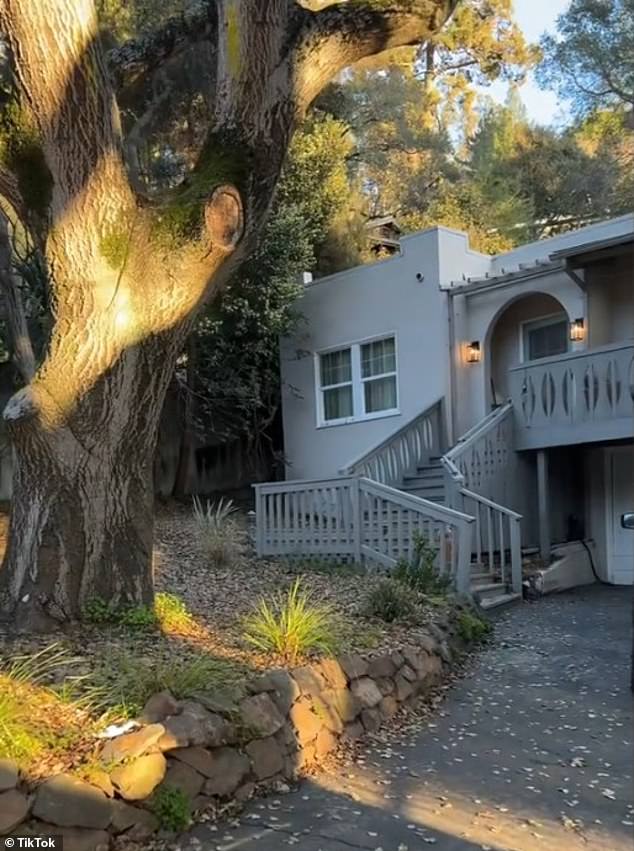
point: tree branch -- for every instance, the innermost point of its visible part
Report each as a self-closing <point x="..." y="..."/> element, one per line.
<point x="20" y="340"/>
<point x="141" y="56"/>
<point x="344" y="33"/>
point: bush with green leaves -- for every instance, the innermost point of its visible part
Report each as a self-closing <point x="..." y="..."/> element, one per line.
<point x="292" y="624"/>
<point x="218" y="533"/>
<point x="172" y="808"/>
<point x="419" y="572"/>
<point x="472" y="628"/>
<point x="390" y="601"/>
<point x="129" y="681"/>
<point x="169" y="613"/>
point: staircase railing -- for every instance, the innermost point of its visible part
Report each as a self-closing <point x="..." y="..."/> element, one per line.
<point x="496" y="535"/>
<point x="481" y="460"/>
<point x="478" y="478"/>
<point x="355" y="518"/>
<point x="399" y="454"/>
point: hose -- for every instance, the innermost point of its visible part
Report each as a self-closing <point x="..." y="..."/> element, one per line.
<point x="594" y="570"/>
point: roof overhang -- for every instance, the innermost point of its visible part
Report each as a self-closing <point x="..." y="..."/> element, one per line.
<point x="592" y="252"/>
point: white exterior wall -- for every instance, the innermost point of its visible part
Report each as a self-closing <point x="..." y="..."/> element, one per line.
<point x="362" y="303"/>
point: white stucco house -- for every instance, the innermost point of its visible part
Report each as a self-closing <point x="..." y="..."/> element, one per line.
<point x="485" y="402"/>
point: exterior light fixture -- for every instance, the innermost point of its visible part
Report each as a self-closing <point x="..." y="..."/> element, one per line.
<point x="474" y="355"/>
<point x="577" y="330"/>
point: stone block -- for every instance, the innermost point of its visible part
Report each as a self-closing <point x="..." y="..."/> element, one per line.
<point x="353" y="731"/>
<point x="267" y="758"/>
<point x="133" y="821"/>
<point x="305" y="722"/>
<point x="385" y="685"/>
<point x="73" y="838"/>
<point x="159" y="707"/>
<point x="404" y="688"/>
<point x="8" y="774"/>
<point x="195" y="726"/>
<point x="343" y="702"/>
<point x="181" y="776"/>
<point x="408" y="673"/>
<point x="371" y="719"/>
<point x="388" y="706"/>
<point x="280" y="685"/>
<point x="132" y="745"/>
<point x="260" y="716"/>
<point x="366" y="691"/>
<point x="325" y="743"/>
<point x="309" y="680"/>
<point x="381" y="666"/>
<point x="333" y="673"/>
<point x="136" y="780"/>
<point x="229" y="767"/>
<point x="14" y="808"/>
<point x="354" y="666"/>
<point x="70" y="802"/>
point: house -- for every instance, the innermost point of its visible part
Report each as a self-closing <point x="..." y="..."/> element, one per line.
<point x="484" y="402"/>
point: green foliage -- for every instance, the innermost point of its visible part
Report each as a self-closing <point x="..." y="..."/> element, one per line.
<point x="590" y="61"/>
<point x="472" y="628"/>
<point x="419" y="573"/>
<point x="128" y="681"/>
<point x="35" y="715"/>
<point x="390" y="601"/>
<point x="291" y="625"/>
<point x="172" y="808"/>
<point x="114" y="247"/>
<point x="172" y="614"/>
<point x="169" y="613"/>
<point x="218" y="533"/>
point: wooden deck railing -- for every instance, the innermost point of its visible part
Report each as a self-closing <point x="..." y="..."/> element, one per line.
<point x="478" y="478"/>
<point x="578" y="397"/>
<point x="357" y="519"/>
<point x="400" y="453"/>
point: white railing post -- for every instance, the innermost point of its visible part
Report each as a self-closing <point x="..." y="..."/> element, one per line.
<point x="463" y="576"/>
<point x="259" y="521"/>
<point x="357" y="519"/>
<point x="516" y="554"/>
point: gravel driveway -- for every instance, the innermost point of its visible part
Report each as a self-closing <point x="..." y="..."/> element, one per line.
<point x="532" y="750"/>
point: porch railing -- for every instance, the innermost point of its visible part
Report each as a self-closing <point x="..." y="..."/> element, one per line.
<point x="575" y="398"/>
<point x="358" y="519"/>
<point x="478" y="476"/>
<point x="481" y="460"/>
<point x="400" y="453"/>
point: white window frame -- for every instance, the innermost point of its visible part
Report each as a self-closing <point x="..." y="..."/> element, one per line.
<point x="358" y="383"/>
<point x="529" y="325"/>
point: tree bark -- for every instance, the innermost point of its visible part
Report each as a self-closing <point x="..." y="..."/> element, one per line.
<point x="125" y="287"/>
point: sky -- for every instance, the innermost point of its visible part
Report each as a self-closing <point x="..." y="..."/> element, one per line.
<point x="536" y="17"/>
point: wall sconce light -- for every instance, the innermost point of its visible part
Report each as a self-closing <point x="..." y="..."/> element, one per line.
<point x="577" y="330"/>
<point x="474" y="355"/>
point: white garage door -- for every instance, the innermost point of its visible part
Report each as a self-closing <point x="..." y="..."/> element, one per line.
<point x="620" y="499"/>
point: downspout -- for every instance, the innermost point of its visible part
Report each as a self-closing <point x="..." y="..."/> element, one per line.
<point x="451" y="419"/>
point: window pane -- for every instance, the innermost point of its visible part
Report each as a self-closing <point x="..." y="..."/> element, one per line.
<point x="338" y="403"/>
<point x="378" y="357"/>
<point x="380" y="394"/>
<point x="548" y="340"/>
<point x="336" y="368"/>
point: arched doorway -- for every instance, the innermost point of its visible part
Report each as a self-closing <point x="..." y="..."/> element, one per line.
<point x="532" y="326"/>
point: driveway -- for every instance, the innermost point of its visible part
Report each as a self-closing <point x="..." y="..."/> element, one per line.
<point x="532" y="750"/>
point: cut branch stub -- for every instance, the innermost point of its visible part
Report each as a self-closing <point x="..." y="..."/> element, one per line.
<point x="224" y="218"/>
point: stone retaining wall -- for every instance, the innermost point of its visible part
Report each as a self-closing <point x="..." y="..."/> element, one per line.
<point x="214" y="750"/>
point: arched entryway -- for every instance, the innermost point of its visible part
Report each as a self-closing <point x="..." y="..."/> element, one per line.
<point x="531" y="326"/>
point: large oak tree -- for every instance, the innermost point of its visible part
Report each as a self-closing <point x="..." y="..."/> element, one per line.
<point x="128" y="271"/>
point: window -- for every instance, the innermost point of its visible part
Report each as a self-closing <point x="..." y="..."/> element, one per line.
<point x="358" y="382"/>
<point x="545" y="338"/>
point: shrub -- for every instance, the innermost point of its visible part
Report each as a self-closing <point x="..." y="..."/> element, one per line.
<point x="172" y="614"/>
<point x="292" y="624"/>
<point x="129" y="681"/>
<point x="419" y="572"/>
<point x="169" y="612"/>
<point x="219" y="535"/>
<point x="390" y="601"/>
<point x="172" y="808"/>
<point x="36" y="716"/>
<point x="472" y="628"/>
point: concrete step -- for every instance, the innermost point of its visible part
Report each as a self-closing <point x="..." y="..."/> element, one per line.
<point x="501" y="599"/>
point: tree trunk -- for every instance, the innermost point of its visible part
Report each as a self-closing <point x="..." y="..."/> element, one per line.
<point x="82" y="514"/>
<point x="186" y="460"/>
